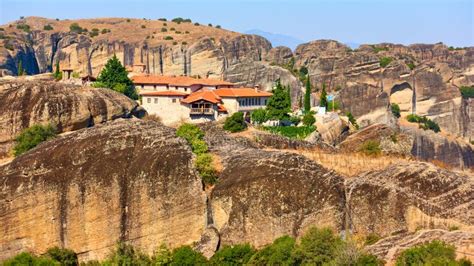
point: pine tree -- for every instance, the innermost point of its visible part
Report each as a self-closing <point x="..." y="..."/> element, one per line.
<point x="278" y="105"/>
<point x="323" y="102"/>
<point x="114" y="76"/>
<point x="20" y="69"/>
<point x="307" y="96"/>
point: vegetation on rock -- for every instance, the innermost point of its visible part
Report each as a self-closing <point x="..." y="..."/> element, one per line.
<point x="114" y="76"/>
<point x="424" y="122"/>
<point x="32" y="136"/>
<point x="74" y="27"/>
<point x="395" y="110"/>
<point x="235" y="122"/>
<point x="433" y="253"/>
<point x="47" y="27"/>
<point x="291" y="131"/>
<point x="371" y="147"/>
<point x="467" y="92"/>
<point x="352" y="120"/>
<point x="385" y="61"/>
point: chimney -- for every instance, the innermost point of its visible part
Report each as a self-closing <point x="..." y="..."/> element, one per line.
<point x="256" y="88"/>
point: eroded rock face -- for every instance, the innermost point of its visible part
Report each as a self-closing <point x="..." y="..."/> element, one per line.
<point x="128" y="180"/>
<point x="263" y="201"/>
<point x="279" y="55"/>
<point x="390" y="248"/>
<point x="24" y="103"/>
<point x="410" y="196"/>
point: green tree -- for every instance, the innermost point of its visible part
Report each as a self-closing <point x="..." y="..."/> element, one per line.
<point x="432" y="253"/>
<point x="323" y="101"/>
<point x="126" y="254"/>
<point x="66" y="257"/>
<point x="20" y="71"/>
<point x="307" y="96"/>
<point x="233" y="255"/>
<point x="26" y="258"/>
<point x="235" y="122"/>
<point x="114" y="76"/>
<point x="259" y="116"/>
<point x="32" y="136"/>
<point x="278" y="105"/>
<point x="308" y="119"/>
<point x="185" y="255"/>
<point x="57" y="73"/>
<point x="278" y="253"/>
<point x="352" y="120"/>
<point x="162" y="256"/>
<point x="318" y="246"/>
<point x="395" y="108"/>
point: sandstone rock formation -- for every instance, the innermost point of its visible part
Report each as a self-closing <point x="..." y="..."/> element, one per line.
<point x="389" y="248"/>
<point x="69" y="107"/>
<point x="128" y="180"/>
<point x="407" y="197"/>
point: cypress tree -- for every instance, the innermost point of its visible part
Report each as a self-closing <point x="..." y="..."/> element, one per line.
<point x="114" y="76"/>
<point x="323" y="102"/>
<point x="57" y="72"/>
<point x="307" y="96"/>
<point x="20" y="68"/>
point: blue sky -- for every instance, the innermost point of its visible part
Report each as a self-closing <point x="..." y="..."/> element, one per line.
<point x="359" y="21"/>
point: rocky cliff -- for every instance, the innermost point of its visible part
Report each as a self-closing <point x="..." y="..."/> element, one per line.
<point x="25" y="102"/>
<point x="134" y="181"/>
<point x="127" y="180"/>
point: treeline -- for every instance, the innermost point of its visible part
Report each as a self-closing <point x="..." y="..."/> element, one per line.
<point x="316" y="247"/>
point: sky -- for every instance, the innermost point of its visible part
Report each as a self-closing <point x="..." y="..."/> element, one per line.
<point x="349" y="21"/>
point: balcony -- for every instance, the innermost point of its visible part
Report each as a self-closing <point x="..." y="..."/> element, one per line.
<point x="202" y="111"/>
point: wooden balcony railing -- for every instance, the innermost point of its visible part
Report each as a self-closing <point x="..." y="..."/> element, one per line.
<point x="201" y="111"/>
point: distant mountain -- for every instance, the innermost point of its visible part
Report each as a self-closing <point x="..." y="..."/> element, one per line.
<point x="278" y="39"/>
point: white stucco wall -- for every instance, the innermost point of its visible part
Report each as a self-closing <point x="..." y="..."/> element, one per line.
<point x="164" y="108"/>
<point x="164" y="88"/>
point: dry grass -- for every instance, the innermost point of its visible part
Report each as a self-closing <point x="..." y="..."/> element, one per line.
<point x="351" y="164"/>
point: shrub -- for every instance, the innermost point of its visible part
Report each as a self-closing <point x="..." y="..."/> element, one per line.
<point x="206" y="170"/>
<point x="318" y="246"/>
<point x="291" y="131"/>
<point x="187" y="256"/>
<point x="433" y="253"/>
<point x="189" y="132"/>
<point x="199" y="146"/>
<point x="352" y="120"/>
<point x="467" y="92"/>
<point x="210" y="24"/>
<point x="177" y="32"/>
<point x="24" y="27"/>
<point x="66" y="257"/>
<point x="143" y="26"/>
<point x="74" y="27"/>
<point x="424" y="122"/>
<point x="385" y="61"/>
<point x="278" y="253"/>
<point x="179" y="20"/>
<point x="32" y="136"/>
<point x="308" y="119"/>
<point x="9" y="46"/>
<point x="371" y="147"/>
<point x="94" y="32"/>
<point x="411" y="65"/>
<point x="126" y="254"/>
<point x="168" y="38"/>
<point x="259" y="116"/>
<point x="295" y="120"/>
<point x="184" y="43"/>
<point x="218" y="26"/>
<point x="235" y="123"/>
<point x="197" y="24"/>
<point x="395" y="110"/>
<point x="26" y="258"/>
<point x="175" y="43"/>
<point x="164" y="29"/>
<point x="333" y="105"/>
<point x="379" y="49"/>
<point x="172" y="29"/>
<point x="47" y="27"/>
<point x="128" y="20"/>
<point x="233" y="255"/>
<point x="186" y="32"/>
<point x="162" y="19"/>
<point x="162" y="256"/>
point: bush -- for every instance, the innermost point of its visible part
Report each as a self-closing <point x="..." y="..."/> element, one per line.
<point x="352" y="120"/>
<point x="291" y="131"/>
<point x="206" y="170"/>
<point x="259" y="116"/>
<point x="233" y="255"/>
<point x="235" y="123"/>
<point x="168" y="38"/>
<point x="189" y="132"/>
<point x="32" y="136"/>
<point x="210" y="24"/>
<point x="197" y="24"/>
<point x="180" y="20"/>
<point x="125" y="254"/>
<point x="467" y="92"/>
<point x="143" y="26"/>
<point x="66" y="257"/>
<point x="308" y="119"/>
<point x="74" y="27"/>
<point x="162" y="256"/>
<point x="24" y="27"/>
<point x="218" y="26"/>
<point x="385" y="61"/>
<point x="424" y="122"/>
<point x="318" y="246"/>
<point x="333" y="105"/>
<point x="395" y="110"/>
<point x="128" y="20"/>
<point x="164" y="29"/>
<point x="187" y="256"/>
<point x="433" y="253"/>
<point x="411" y="65"/>
<point x="371" y="147"/>
<point x="199" y="146"/>
<point x="47" y="27"/>
<point x="26" y="258"/>
<point x="162" y="19"/>
<point x="278" y="253"/>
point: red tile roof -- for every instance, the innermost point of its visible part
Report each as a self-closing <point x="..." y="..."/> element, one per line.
<point x="163" y="93"/>
<point x="206" y="95"/>
<point x="241" y="92"/>
<point x="221" y="108"/>
<point x="178" y="81"/>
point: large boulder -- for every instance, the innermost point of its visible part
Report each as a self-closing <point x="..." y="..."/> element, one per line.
<point x="126" y="180"/>
<point x="410" y="196"/>
<point x="24" y="103"/>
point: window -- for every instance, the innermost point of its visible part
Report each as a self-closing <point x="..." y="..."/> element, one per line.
<point x="143" y="86"/>
<point x="265" y="102"/>
<point x="185" y="89"/>
<point x="176" y="88"/>
<point x="156" y="100"/>
<point x="148" y="100"/>
<point x="154" y="87"/>
<point x="173" y="100"/>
